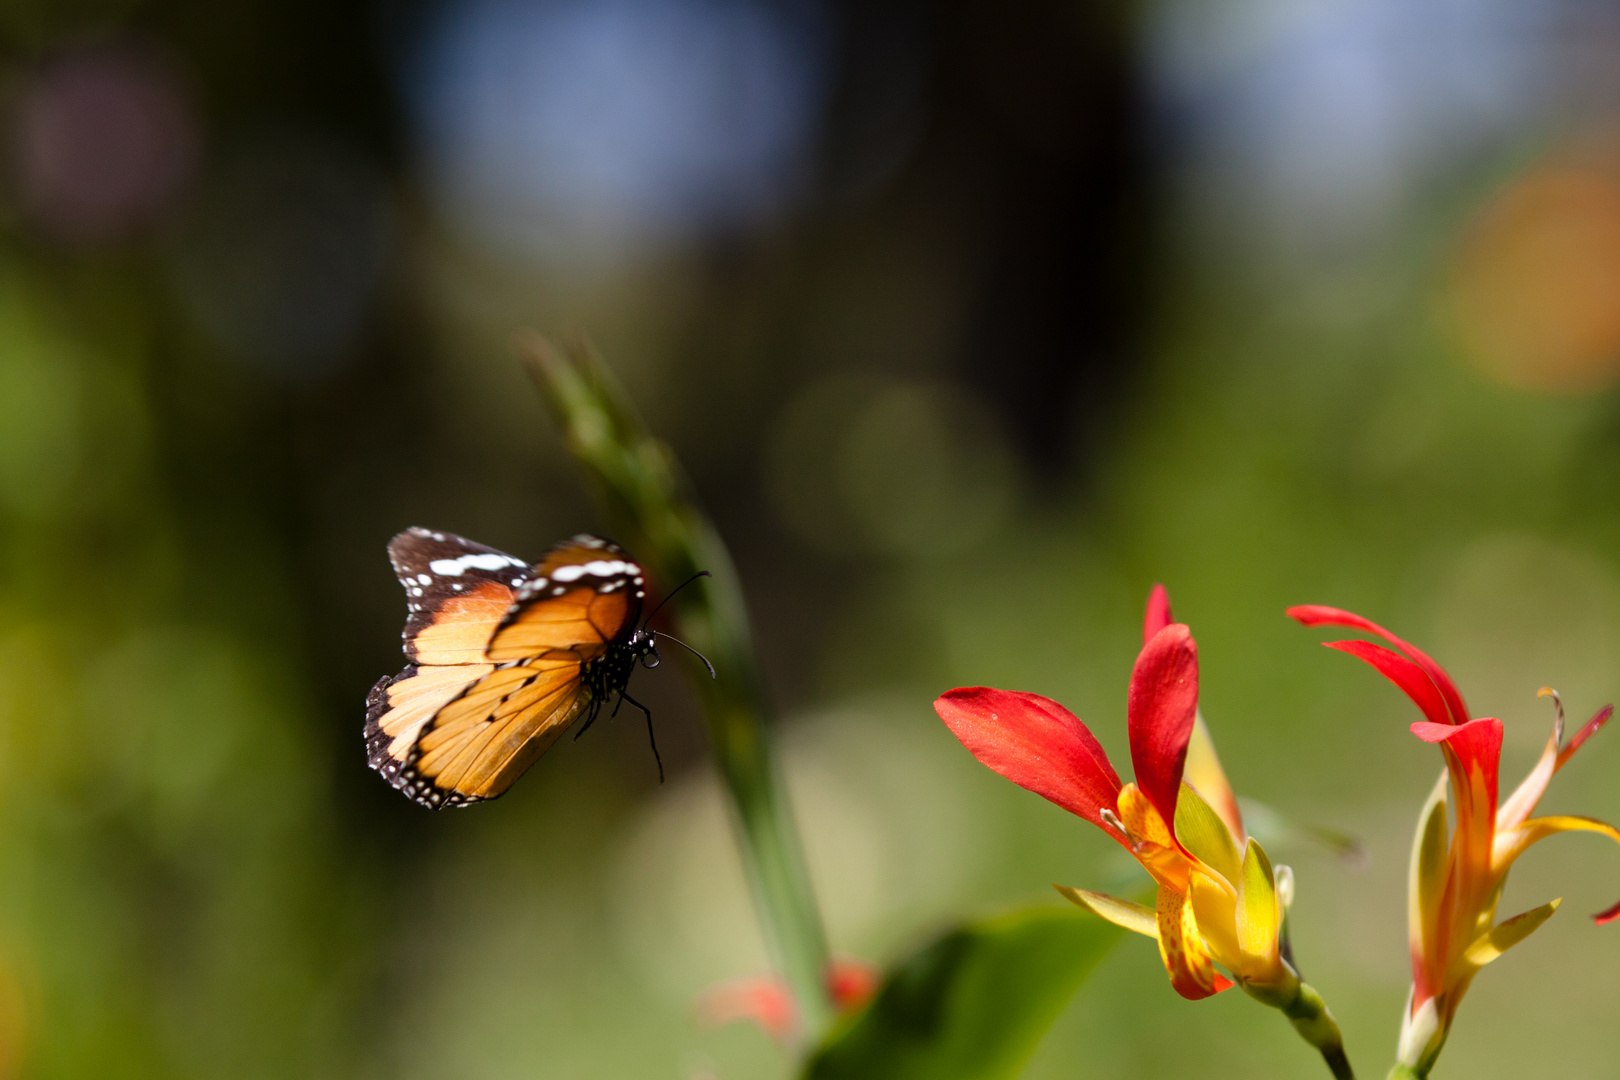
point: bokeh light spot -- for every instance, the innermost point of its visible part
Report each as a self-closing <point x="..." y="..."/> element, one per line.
<point x="104" y="139"/>
<point x="861" y="465"/>
<point x="1535" y="296"/>
<point x="568" y="127"/>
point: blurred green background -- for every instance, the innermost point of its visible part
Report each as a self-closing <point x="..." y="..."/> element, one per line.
<point x="970" y="322"/>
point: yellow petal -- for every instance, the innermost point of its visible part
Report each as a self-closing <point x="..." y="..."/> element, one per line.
<point x="1511" y="843"/>
<point x="1214" y="908"/>
<point x="1508" y="933"/>
<point x="1203" y="771"/>
<point x="1203" y="833"/>
<point x="1259" y="915"/>
<point x="1133" y="917"/>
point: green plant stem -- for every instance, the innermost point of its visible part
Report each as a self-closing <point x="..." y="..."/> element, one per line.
<point x="641" y="488"/>
<point x="1309" y="1014"/>
<point x="1406" y="1072"/>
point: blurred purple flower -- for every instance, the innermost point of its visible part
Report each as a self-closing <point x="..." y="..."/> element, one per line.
<point x="104" y="139"/>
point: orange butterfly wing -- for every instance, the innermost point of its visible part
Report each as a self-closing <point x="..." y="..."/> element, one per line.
<point x="501" y="651"/>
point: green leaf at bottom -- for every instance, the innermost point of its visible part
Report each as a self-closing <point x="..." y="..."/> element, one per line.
<point x="972" y="1003"/>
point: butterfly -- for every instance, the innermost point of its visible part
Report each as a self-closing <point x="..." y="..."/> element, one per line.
<point x="504" y="657"/>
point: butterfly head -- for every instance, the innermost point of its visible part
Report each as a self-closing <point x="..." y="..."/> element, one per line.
<point x="643" y="645"/>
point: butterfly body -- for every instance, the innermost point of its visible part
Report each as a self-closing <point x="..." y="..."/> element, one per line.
<point x="504" y="657"/>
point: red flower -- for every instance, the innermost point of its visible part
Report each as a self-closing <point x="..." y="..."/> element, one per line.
<point x="1217" y="901"/>
<point x="1454" y="888"/>
<point x="765" y="999"/>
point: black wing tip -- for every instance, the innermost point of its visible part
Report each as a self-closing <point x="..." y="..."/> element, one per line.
<point x="421" y="534"/>
<point x="403" y="778"/>
<point x="376" y="696"/>
<point x="415" y="532"/>
<point x="402" y="775"/>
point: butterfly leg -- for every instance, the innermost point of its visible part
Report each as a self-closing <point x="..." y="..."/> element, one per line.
<point x="651" y="741"/>
<point x="590" y="718"/>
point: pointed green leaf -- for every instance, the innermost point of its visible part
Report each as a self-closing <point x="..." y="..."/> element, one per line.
<point x="972" y="1003"/>
<point x="1508" y="933"/>
<point x="1126" y="914"/>
<point x="1427" y="873"/>
<point x="1258" y="912"/>
<point x="1202" y="832"/>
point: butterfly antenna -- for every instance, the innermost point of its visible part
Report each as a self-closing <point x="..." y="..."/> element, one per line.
<point x="688" y="648"/>
<point x="671" y="594"/>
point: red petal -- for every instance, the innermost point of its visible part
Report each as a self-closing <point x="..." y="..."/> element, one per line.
<point x="766" y="1001"/>
<point x="762" y="1000"/>
<point x="1473" y="753"/>
<point x="1320" y="615"/>
<point x="1037" y="744"/>
<point x="1608" y="915"/>
<point x="850" y="983"/>
<point x="1402" y="672"/>
<point x="1162" y="706"/>
<point x="1158" y="613"/>
<point x="1587" y="731"/>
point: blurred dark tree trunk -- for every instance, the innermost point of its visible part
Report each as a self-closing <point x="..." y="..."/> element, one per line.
<point x="1038" y="104"/>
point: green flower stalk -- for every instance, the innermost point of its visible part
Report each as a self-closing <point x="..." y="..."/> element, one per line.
<point x="640" y="486"/>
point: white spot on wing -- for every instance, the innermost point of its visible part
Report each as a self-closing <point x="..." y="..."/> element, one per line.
<point x="456" y="567"/>
<point x="596" y="568"/>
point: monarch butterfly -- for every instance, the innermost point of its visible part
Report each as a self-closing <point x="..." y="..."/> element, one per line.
<point x="504" y="658"/>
